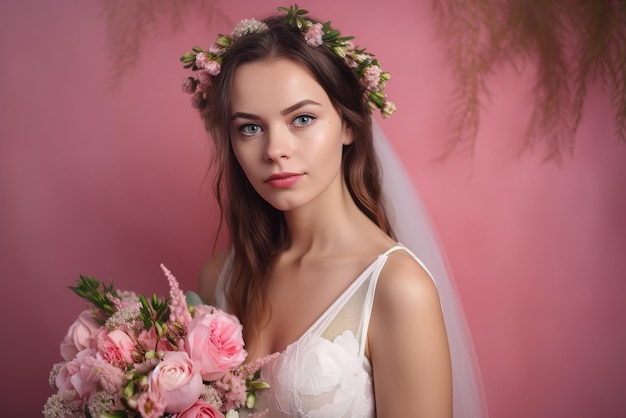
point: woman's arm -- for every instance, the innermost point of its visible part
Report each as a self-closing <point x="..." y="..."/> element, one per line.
<point x="408" y="344"/>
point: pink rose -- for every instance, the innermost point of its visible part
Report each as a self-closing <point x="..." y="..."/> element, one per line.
<point x="215" y="342"/>
<point x="117" y="347"/>
<point x="201" y="409"/>
<point x="79" y="374"/>
<point x="177" y="381"/>
<point x="79" y="336"/>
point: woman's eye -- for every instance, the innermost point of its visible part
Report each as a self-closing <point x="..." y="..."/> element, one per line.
<point x="304" y="120"/>
<point x="250" y="129"/>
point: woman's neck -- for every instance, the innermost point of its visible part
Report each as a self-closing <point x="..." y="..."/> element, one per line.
<point x="325" y="227"/>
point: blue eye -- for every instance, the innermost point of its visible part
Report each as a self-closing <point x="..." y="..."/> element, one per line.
<point x="304" y="120"/>
<point x="250" y="129"/>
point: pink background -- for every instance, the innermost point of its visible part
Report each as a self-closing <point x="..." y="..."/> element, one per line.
<point x="109" y="182"/>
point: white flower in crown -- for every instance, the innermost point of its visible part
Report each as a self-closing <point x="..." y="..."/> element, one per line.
<point x="247" y="26"/>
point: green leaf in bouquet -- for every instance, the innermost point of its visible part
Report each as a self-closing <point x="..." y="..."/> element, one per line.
<point x="193" y="299"/>
<point x="96" y="293"/>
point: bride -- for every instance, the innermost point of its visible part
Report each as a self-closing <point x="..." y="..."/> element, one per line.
<point x="315" y="271"/>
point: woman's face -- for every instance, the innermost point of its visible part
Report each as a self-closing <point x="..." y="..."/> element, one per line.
<point x="286" y="134"/>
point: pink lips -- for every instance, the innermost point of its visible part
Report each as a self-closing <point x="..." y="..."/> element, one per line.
<point x="283" y="180"/>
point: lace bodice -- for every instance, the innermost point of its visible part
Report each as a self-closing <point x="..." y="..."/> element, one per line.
<point x="325" y="373"/>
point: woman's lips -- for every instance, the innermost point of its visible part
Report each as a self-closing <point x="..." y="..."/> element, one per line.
<point x="283" y="180"/>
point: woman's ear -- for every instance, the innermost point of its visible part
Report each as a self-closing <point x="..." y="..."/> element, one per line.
<point x="347" y="134"/>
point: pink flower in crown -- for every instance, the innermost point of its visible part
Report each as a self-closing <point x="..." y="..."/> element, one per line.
<point x="201" y="409"/>
<point x="215" y="342"/>
<point x="209" y="64"/>
<point x="214" y="49"/>
<point x="80" y="335"/>
<point x="204" y="78"/>
<point x="313" y="36"/>
<point x="189" y="85"/>
<point x="212" y="67"/>
<point x="177" y="381"/>
<point x="201" y="59"/>
<point x="117" y="348"/>
<point x="151" y="405"/>
<point x="351" y="63"/>
<point x="371" y="77"/>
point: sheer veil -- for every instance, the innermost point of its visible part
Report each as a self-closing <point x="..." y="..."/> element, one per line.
<point x="414" y="229"/>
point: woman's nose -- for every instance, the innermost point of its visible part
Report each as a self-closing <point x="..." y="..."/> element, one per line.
<point x="279" y="144"/>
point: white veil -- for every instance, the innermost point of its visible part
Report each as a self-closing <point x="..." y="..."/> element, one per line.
<point x="411" y="223"/>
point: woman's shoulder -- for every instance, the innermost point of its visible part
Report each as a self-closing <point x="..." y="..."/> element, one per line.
<point x="403" y="284"/>
<point x="210" y="274"/>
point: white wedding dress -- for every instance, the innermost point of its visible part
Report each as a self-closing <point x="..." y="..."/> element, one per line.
<point x="325" y="373"/>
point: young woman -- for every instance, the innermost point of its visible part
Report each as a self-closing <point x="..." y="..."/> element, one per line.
<point x="315" y="272"/>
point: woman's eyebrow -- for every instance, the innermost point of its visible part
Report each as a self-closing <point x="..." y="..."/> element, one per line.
<point x="298" y="106"/>
<point x="244" y="115"/>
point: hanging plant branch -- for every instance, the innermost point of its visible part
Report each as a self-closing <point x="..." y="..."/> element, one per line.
<point x="129" y="24"/>
<point x="542" y="36"/>
<point x="465" y="28"/>
<point x="571" y="43"/>
<point x="615" y="67"/>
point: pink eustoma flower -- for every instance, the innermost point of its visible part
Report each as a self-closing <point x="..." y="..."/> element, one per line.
<point x="151" y="405"/>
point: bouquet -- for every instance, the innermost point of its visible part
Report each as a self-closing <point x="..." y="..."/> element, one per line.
<point x="129" y="356"/>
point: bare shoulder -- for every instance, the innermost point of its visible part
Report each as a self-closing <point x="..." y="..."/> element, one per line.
<point x="403" y="284"/>
<point x="209" y="275"/>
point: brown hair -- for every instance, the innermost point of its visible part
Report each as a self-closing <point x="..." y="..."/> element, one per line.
<point x="257" y="230"/>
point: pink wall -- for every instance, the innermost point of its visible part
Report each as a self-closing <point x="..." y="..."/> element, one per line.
<point x="110" y="183"/>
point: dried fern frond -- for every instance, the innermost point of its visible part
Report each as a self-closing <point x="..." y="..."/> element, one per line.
<point x="464" y="26"/>
<point x="130" y="23"/>
<point x="571" y="43"/>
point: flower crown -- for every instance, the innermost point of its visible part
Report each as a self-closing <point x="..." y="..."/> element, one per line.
<point x="365" y="66"/>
